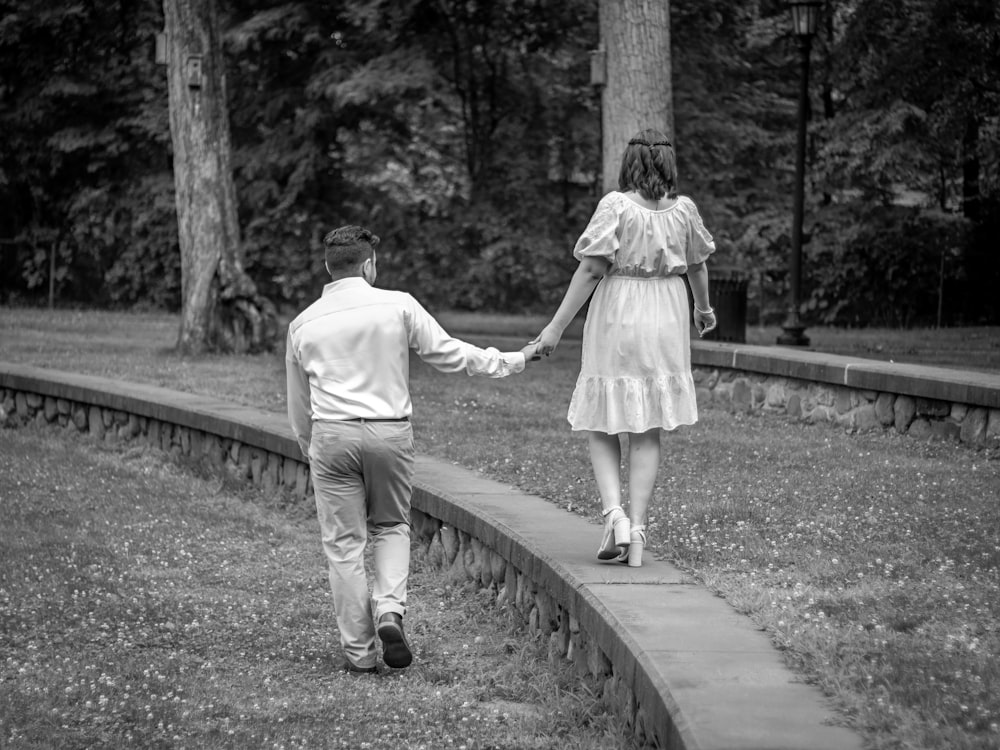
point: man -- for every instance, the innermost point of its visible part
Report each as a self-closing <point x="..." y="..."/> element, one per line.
<point x="347" y="365"/>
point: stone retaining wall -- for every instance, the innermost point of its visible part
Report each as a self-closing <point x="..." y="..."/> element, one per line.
<point x="546" y="616"/>
<point x="854" y="394"/>
<point x="265" y="468"/>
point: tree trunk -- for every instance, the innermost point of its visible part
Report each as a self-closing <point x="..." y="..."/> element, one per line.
<point x="638" y="92"/>
<point x="970" y="169"/>
<point x="221" y="309"/>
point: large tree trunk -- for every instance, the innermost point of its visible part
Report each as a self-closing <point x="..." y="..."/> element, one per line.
<point x="638" y="93"/>
<point x="221" y="309"/>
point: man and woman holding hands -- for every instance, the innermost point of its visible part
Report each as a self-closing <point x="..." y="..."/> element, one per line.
<point x="347" y="363"/>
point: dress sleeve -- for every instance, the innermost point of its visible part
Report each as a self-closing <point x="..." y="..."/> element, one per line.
<point x="600" y="238"/>
<point x="700" y="243"/>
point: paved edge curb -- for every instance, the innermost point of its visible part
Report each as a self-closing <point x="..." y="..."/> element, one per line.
<point x="709" y="678"/>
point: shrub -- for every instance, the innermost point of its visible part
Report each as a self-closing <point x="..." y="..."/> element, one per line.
<point x="891" y="266"/>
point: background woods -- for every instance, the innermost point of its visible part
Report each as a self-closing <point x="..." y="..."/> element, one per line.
<point x="468" y="135"/>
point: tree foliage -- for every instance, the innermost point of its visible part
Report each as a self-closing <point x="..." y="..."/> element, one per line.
<point x="84" y="141"/>
<point x="467" y="135"/>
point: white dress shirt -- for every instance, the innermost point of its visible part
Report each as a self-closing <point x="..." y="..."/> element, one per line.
<point x="348" y="355"/>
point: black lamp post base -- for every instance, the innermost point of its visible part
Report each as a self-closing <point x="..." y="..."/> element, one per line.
<point x="793" y="336"/>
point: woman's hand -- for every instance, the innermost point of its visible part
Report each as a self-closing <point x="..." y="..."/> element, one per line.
<point x="704" y="320"/>
<point x="547" y="340"/>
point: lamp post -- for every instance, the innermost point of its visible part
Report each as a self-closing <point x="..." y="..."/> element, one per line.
<point x="805" y="16"/>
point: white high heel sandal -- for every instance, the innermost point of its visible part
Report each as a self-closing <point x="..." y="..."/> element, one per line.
<point x="616" y="534"/>
<point x="637" y="542"/>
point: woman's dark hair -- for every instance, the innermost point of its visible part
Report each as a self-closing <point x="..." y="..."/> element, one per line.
<point x="348" y="247"/>
<point x="649" y="166"/>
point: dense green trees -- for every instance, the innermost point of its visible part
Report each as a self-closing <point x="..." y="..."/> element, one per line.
<point x="912" y="125"/>
<point x="84" y="154"/>
<point x="467" y="134"/>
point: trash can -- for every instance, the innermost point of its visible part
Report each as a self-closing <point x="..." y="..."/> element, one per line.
<point x="727" y="290"/>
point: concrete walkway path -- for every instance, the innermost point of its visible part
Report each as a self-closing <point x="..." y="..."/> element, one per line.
<point x="722" y="682"/>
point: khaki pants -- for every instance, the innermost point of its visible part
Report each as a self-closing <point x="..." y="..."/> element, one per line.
<point x="362" y="474"/>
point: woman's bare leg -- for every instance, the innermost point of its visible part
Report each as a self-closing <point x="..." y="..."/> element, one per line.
<point x="606" y="458"/>
<point x="643" y="465"/>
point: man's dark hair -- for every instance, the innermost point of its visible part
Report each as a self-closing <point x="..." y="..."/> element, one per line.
<point x="348" y="247"/>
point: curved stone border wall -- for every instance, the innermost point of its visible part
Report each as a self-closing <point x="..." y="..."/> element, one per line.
<point x="857" y="394"/>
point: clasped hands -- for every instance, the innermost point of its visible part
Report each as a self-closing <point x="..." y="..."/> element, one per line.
<point x="543" y="344"/>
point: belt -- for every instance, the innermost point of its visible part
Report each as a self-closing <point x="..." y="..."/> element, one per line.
<point x="378" y="419"/>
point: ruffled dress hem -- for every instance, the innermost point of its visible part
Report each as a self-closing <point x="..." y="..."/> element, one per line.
<point x="628" y="404"/>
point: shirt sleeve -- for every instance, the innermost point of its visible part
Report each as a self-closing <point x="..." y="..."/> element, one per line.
<point x="297" y="391"/>
<point x="700" y="243"/>
<point x="448" y="354"/>
<point x="600" y="238"/>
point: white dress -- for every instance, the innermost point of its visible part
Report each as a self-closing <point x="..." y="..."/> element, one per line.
<point x="636" y="368"/>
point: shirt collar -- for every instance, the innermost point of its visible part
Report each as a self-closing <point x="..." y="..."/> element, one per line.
<point x="351" y="282"/>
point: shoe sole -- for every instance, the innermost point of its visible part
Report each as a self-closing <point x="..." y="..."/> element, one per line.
<point x="615" y="542"/>
<point x="395" y="650"/>
<point x="351" y="669"/>
<point x="612" y="553"/>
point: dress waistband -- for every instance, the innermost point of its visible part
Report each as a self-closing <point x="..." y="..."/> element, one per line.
<point x="640" y="275"/>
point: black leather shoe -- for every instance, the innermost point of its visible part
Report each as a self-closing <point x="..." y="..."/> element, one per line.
<point x="395" y="648"/>
<point x="351" y="668"/>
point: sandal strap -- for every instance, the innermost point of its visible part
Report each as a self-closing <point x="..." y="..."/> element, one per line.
<point x="609" y="511"/>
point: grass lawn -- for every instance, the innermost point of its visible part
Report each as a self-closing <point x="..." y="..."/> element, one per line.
<point x="144" y="607"/>
<point x="872" y="560"/>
